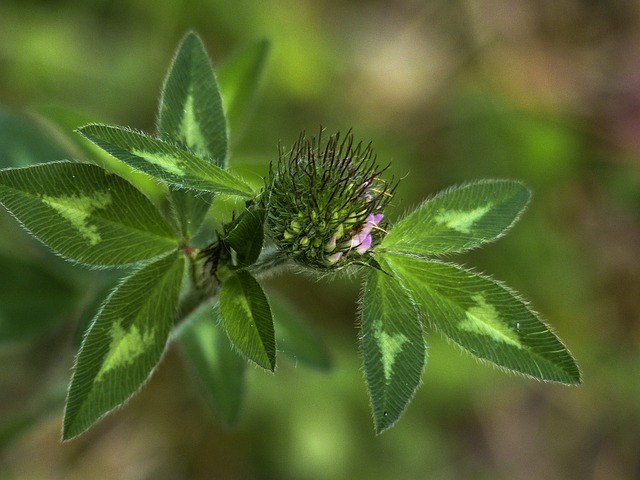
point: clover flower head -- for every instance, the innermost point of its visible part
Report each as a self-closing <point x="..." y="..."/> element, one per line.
<point x="325" y="202"/>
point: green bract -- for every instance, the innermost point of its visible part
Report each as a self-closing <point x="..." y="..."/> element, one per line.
<point x="146" y="201"/>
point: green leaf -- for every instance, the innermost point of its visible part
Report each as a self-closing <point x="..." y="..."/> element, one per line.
<point x="64" y="121"/>
<point x="164" y="161"/>
<point x="124" y="343"/>
<point x="485" y="318"/>
<point x="86" y="214"/>
<point x="239" y="78"/>
<point x="191" y="116"/>
<point x="459" y="218"/>
<point x="247" y="318"/>
<point x="392" y="345"/>
<point x="95" y="290"/>
<point x="191" y="111"/>
<point x="190" y="209"/>
<point x="295" y="337"/>
<point x="220" y="371"/>
<point x="247" y="236"/>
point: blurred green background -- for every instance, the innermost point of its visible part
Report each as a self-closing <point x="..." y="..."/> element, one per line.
<point x="543" y="91"/>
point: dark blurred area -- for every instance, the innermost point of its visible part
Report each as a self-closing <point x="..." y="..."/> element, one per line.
<point x="544" y="91"/>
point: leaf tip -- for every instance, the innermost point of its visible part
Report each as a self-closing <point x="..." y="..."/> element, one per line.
<point x="67" y="434"/>
<point x="270" y="365"/>
<point x="87" y="130"/>
<point x="575" y="378"/>
<point x="384" y="421"/>
<point x="70" y="428"/>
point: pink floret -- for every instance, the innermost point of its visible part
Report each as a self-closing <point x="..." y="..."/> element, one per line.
<point x="335" y="257"/>
<point x="365" y="242"/>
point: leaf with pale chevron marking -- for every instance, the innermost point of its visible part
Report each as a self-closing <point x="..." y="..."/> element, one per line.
<point x="459" y="218"/>
<point x="164" y="161"/>
<point x="86" y="214"/>
<point x="191" y="115"/>
<point x="485" y="318"/>
<point x="124" y="342"/>
<point x="392" y="346"/>
<point x="191" y="111"/>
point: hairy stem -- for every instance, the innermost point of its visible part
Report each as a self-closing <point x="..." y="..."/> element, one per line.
<point x="269" y="261"/>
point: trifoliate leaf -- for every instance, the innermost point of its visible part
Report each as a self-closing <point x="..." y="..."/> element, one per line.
<point x="485" y="318"/>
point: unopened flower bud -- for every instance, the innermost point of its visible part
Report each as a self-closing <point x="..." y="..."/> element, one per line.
<point x="325" y="202"/>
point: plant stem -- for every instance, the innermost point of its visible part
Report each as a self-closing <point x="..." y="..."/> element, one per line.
<point x="270" y="259"/>
<point x="190" y="302"/>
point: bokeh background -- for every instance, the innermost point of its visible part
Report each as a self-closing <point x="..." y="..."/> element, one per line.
<point x="546" y="91"/>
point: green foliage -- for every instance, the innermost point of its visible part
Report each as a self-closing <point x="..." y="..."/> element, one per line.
<point x="191" y="115"/>
<point x="26" y="265"/>
<point x="247" y="236"/>
<point x="246" y="315"/>
<point x="20" y="316"/>
<point x="124" y="342"/>
<point x="86" y="214"/>
<point x="165" y="161"/>
<point x="23" y="142"/>
<point x="392" y="345"/>
<point x="459" y="218"/>
<point x="239" y="79"/>
<point x="64" y="121"/>
<point x="322" y="207"/>
<point x="479" y="314"/>
<point x="190" y="111"/>
<point x="485" y="318"/>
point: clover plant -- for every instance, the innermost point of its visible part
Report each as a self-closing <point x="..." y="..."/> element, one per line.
<point x="321" y="208"/>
